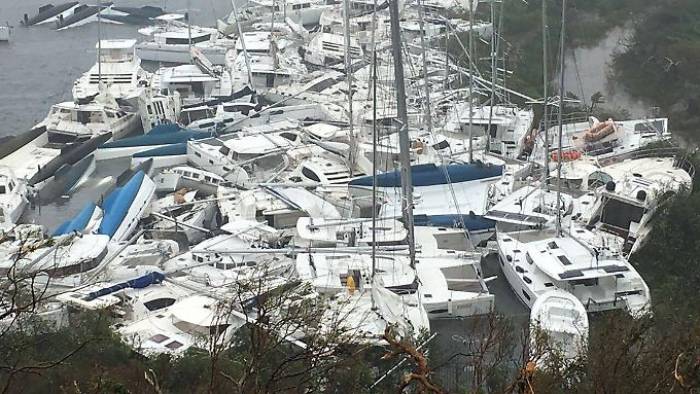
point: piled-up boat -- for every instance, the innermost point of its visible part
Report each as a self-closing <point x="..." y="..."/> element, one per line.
<point x="294" y="150"/>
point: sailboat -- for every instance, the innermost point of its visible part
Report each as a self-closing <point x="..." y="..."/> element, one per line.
<point x="536" y="260"/>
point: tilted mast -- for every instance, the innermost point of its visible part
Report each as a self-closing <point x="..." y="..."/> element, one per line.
<point x="404" y="142"/>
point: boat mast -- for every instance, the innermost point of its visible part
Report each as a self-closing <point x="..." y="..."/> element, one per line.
<point x="471" y="76"/>
<point x="404" y="143"/>
<point x="426" y="86"/>
<point x="349" y="79"/>
<point x="375" y="139"/>
<point x="189" y="31"/>
<point x="492" y="100"/>
<point x="99" y="46"/>
<point x="245" y="51"/>
<point x="561" y="110"/>
<point x="545" y="100"/>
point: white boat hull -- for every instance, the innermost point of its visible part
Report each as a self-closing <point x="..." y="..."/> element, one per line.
<point x="177" y="53"/>
<point x="161" y="161"/>
<point x="64" y="14"/>
<point x="102" y="154"/>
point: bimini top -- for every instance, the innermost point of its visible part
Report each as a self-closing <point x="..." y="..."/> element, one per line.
<point x="430" y="174"/>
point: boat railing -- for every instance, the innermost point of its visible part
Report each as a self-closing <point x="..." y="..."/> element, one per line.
<point x="680" y="156"/>
<point x="569" y="118"/>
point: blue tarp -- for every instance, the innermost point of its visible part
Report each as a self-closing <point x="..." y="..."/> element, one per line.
<point x="168" y="150"/>
<point x="430" y="174"/>
<point x="117" y="204"/>
<point x="78" y="223"/>
<point x="138" y="283"/>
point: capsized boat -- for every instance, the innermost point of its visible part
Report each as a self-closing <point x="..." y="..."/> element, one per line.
<point x="50" y="13"/>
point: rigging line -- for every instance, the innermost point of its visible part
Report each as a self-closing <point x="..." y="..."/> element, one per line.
<point x="492" y="100"/>
<point x="426" y="101"/>
<point x="578" y="79"/>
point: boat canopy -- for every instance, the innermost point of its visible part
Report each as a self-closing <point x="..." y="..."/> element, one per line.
<point x="431" y="174"/>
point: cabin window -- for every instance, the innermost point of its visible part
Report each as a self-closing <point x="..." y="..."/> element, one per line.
<point x="197" y="154"/>
<point x="206" y="125"/>
<point x="2" y="189"/>
<point x="584" y="282"/>
<point x="564" y="260"/>
<point x="218" y="329"/>
<point x="186" y="40"/>
<point x="158" y="303"/>
<point x="525" y="294"/>
<point x="289" y="136"/>
<point x="598" y="179"/>
<point x="310" y="174"/>
<point x="441" y="145"/>
<point x="620" y="214"/>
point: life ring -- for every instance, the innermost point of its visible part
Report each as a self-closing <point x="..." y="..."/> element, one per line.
<point x="569" y="155"/>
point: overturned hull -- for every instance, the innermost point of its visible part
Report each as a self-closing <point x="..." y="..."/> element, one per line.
<point x="50" y="13"/>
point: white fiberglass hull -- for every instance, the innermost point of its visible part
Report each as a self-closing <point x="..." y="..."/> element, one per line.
<point x="102" y="154"/>
<point x="161" y="161"/>
<point x="9" y="215"/>
<point x="178" y="54"/>
<point x="515" y="282"/>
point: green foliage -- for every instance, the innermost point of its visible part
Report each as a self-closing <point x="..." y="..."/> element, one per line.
<point x="660" y="62"/>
